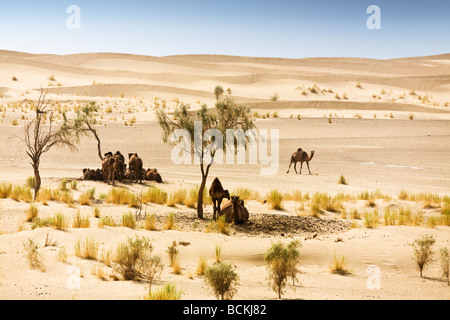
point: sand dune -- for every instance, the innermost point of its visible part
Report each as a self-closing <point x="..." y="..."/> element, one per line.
<point x="249" y="78"/>
<point x="383" y="124"/>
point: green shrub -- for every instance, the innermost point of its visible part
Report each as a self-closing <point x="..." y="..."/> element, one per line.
<point x="222" y="280"/>
<point x="423" y="253"/>
<point x="129" y="254"/>
<point x="281" y="261"/>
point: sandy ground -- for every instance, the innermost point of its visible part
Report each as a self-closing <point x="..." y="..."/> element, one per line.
<point x="369" y="138"/>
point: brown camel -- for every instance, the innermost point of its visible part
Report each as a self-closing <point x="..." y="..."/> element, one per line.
<point x="108" y="167"/>
<point x="135" y="165"/>
<point x="300" y="156"/>
<point x="88" y="174"/>
<point x="217" y="194"/>
<point x="119" y="166"/>
<point x="153" y="175"/>
<point x="235" y="211"/>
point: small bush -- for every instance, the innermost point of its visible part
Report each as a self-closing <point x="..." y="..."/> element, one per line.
<point x="155" y="195"/>
<point x="60" y="221"/>
<point x="80" y="222"/>
<point x="275" y="199"/>
<point x="32" y="254"/>
<point x="170" y="223"/>
<point x="222" y="280"/>
<point x="281" y="261"/>
<point x="129" y="220"/>
<point x="342" y="180"/>
<point x="106" y="222"/>
<point x="202" y="265"/>
<point x="166" y="292"/>
<point x="32" y="213"/>
<point x="150" y="223"/>
<point x="173" y="252"/>
<point x="31" y="182"/>
<point x="87" y="249"/>
<point x="339" y="265"/>
<point x="274" y="97"/>
<point x="423" y="253"/>
<point x="129" y="254"/>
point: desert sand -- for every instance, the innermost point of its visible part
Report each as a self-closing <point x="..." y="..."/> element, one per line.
<point x="383" y="124"/>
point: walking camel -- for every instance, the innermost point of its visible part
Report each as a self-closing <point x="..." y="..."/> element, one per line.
<point x="300" y="156"/>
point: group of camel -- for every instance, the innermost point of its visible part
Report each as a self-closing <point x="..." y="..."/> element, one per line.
<point x="234" y="210"/>
<point x="114" y="168"/>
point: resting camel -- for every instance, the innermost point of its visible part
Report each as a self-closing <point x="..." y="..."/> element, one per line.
<point x="234" y="210"/>
<point x="135" y="165"/>
<point x="300" y="156"/>
<point x="217" y="194"/>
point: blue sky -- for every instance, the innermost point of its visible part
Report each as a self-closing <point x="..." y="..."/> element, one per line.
<point x="263" y="28"/>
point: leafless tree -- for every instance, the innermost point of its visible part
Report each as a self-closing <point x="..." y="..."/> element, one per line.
<point x="39" y="137"/>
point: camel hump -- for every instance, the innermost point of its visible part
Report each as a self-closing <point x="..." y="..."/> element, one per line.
<point x="299" y="150"/>
<point x="216" y="186"/>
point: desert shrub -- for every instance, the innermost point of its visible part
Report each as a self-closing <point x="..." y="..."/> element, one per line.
<point x="32" y="254"/>
<point x="80" y="222"/>
<point x="106" y="222"/>
<point x="149" y="267"/>
<point x="246" y="194"/>
<point x="342" y="180"/>
<point x="173" y="252"/>
<point x="32" y="213"/>
<point x="202" y="265"/>
<point x="67" y="198"/>
<point x="339" y="265"/>
<point x="150" y="223"/>
<point x="220" y="226"/>
<point x="170" y="222"/>
<point x="222" y="280"/>
<point x="96" y="212"/>
<point x="281" y="261"/>
<point x="218" y="252"/>
<point x="445" y="265"/>
<point x="87" y="249"/>
<point x="86" y="197"/>
<point x="20" y="193"/>
<point x="129" y="254"/>
<point x="423" y="253"/>
<point x="60" y="221"/>
<point x="274" y="97"/>
<point x="154" y="195"/>
<point x="166" y="292"/>
<point x="129" y="220"/>
<point x="275" y="199"/>
<point x="31" y="182"/>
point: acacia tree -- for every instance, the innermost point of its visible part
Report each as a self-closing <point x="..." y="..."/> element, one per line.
<point x="40" y="137"/>
<point x="226" y="115"/>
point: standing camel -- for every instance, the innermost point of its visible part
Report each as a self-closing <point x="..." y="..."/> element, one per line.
<point x="300" y="156"/>
<point x="217" y="194"/>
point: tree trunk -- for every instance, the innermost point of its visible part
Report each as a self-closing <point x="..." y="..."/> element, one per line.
<point x="201" y="189"/>
<point x="37" y="176"/>
<point x="200" y="198"/>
